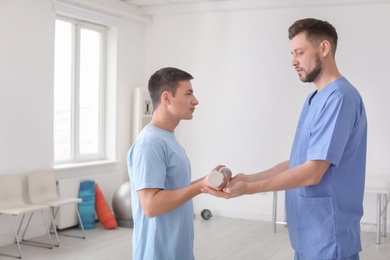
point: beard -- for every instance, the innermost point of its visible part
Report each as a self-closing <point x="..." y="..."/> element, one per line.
<point x="312" y="75"/>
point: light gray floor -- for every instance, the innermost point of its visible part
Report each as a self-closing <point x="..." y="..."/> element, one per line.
<point x="215" y="239"/>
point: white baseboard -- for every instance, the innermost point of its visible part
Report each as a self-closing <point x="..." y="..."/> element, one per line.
<point x="366" y="227"/>
<point x="236" y="214"/>
<point x="370" y="227"/>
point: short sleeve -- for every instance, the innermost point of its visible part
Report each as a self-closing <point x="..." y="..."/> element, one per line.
<point x="331" y="130"/>
<point x="149" y="167"/>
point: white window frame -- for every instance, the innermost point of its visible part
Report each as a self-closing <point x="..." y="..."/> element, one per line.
<point x="75" y="156"/>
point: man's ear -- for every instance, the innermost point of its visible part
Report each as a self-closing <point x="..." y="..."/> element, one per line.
<point x="165" y="97"/>
<point x="325" y="48"/>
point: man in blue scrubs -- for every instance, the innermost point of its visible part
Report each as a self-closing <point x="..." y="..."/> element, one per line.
<point x="324" y="178"/>
<point x="160" y="173"/>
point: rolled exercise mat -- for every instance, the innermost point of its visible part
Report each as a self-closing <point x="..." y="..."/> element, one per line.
<point x="87" y="206"/>
<point x="103" y="211"/>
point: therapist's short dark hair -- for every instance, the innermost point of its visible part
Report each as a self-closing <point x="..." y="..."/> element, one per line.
<point x="316" y="31"/>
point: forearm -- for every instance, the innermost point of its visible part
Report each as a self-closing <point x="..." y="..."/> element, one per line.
<point x="196" y="181"/>
<point x="163" y="201"/>
<point x="309" y="173"/>
<point x="157" y="201"/>
<point x="281" y="167"/>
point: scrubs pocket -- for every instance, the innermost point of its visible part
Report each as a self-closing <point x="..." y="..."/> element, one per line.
<point x="316" y="227"/>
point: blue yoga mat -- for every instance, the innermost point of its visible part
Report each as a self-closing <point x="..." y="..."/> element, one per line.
<point x="87" y="206"/>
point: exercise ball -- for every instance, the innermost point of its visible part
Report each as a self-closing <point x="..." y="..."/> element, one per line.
<point x="121" y="205"/>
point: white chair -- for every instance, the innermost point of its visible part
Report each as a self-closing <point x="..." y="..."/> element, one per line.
<point x="275" y="211"/>
<point x="380" y="185"/>
<point x="12" y="204"/>
<point x="42" y="189"/>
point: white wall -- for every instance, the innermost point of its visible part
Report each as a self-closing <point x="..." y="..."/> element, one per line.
<point x="26" y="85"/>
<point x="26" y="92"/>
<point x="250" y="96"/>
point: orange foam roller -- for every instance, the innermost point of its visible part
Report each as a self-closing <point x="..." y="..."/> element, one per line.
<point x="103" y="211"/>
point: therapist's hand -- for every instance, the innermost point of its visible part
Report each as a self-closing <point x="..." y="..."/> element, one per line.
<point x="237" y="178"/>
<point x="231" y="191"/>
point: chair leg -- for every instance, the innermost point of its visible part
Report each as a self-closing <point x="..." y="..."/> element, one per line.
<point x="28" y="224"/>
<point x="274" y="210"/>
<point x="384" y="219"/>
<point x="274" y="213"/>
<point x="47" y="229"/>
<point x="378" y="218"/>
<point x="16" y="240"/>
<point x="53" y="225"/>
<point x="36" y="243"/>
<point x="21" y="222"/>
<point x="81" y="222"/>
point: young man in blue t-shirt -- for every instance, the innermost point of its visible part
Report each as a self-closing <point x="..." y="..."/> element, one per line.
<point x="160" y="173"/>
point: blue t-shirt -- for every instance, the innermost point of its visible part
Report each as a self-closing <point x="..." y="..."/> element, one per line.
<point x="324" y="219"/>
<point x="157" y="160"/>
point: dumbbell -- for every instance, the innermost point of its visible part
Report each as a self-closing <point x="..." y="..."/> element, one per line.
<point x="206" y="214"/>
<point x="219" y="179"/>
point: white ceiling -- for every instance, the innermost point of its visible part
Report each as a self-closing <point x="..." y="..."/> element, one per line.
<point x="158" y="7"/>
<point x="149" y="3"/>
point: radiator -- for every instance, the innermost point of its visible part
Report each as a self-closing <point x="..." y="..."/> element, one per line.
<point x="69" y="188"/>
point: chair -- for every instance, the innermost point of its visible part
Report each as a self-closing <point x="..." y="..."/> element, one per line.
<point x="42" y="189"/>
<point x="12" y="204"/>
<point x="275" y="211"/>
<point x="380" y="185"/>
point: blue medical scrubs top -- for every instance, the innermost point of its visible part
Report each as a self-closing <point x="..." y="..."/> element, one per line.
<point x="324" y="219"/>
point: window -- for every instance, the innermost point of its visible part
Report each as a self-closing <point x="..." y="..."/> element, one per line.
<point x="79" y="77"/>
